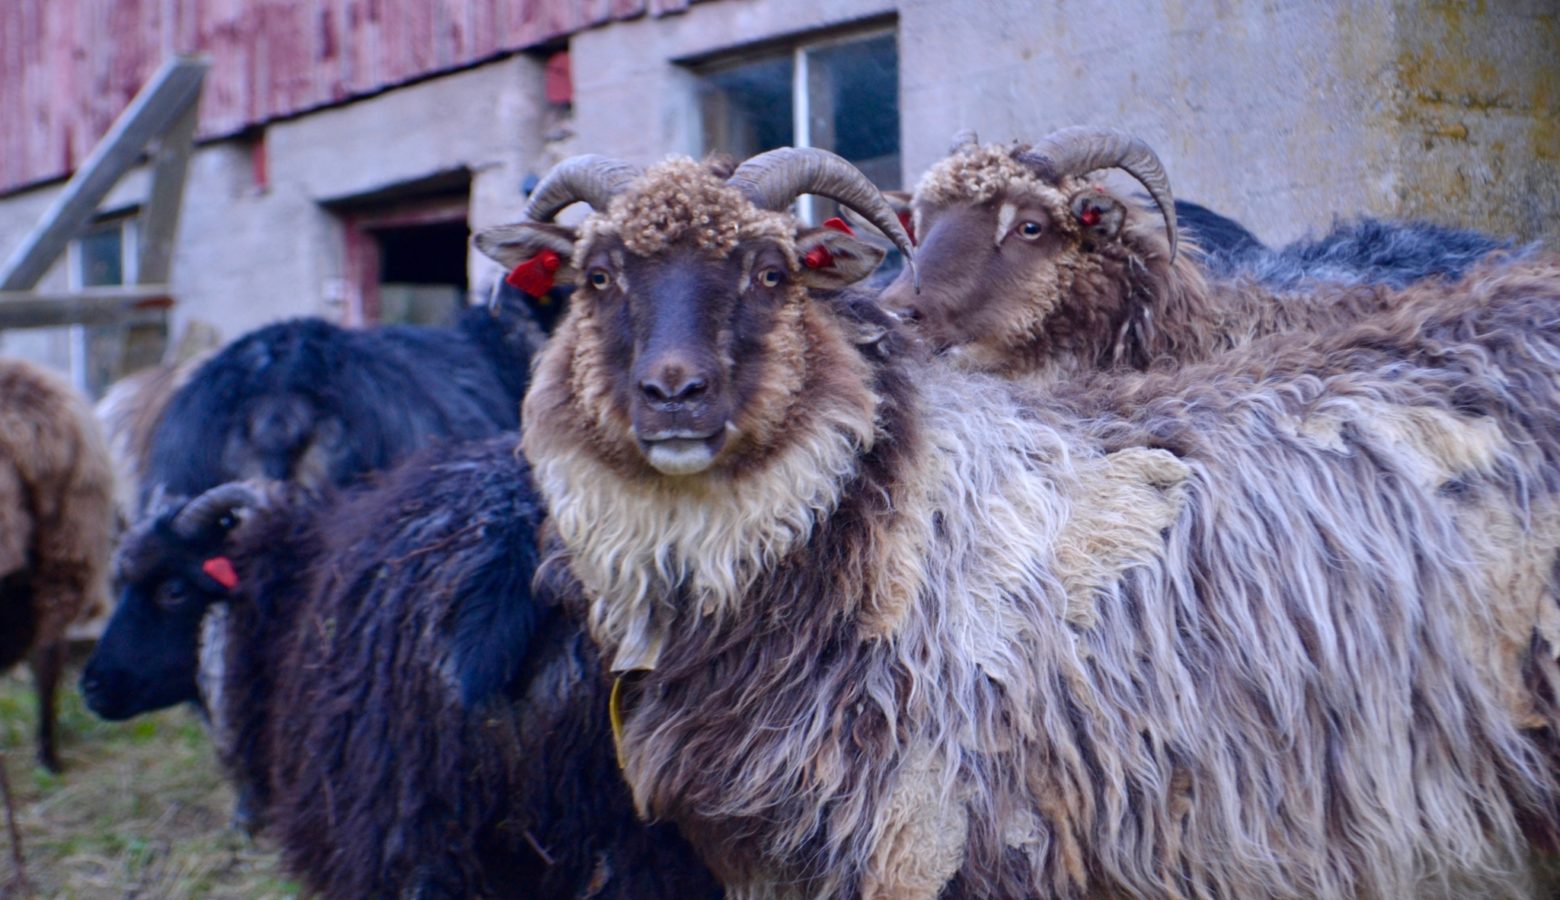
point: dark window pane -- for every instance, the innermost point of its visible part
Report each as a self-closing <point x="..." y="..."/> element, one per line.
<point x="853" y="93"/>
<point x="747" y="108"/>
<point x="102" y="255"/>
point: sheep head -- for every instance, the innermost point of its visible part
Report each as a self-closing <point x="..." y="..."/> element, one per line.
<point x="1026" y="258"/>
<point x="686" y="346"/>
<point x="169" y="570"/>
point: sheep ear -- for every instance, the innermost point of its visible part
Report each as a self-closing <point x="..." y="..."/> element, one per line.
<point x="519" y="243"/>
<point x="1099" y="215"/>
<point x="834" y="259"/>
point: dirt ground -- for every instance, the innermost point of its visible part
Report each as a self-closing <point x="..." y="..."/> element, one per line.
<point x="141" y="810"/>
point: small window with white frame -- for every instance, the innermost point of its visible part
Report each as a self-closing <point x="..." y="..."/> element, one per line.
<point x="105" y="255"/>
<point x="839" y="92"/>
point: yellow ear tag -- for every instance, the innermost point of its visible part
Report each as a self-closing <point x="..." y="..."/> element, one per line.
<point x="615" y="714"/>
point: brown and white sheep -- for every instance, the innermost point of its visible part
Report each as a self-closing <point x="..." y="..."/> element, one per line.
<point x="888" y="628"/>
<point x="1032" y="265"/>
<point x="56" y="525"/>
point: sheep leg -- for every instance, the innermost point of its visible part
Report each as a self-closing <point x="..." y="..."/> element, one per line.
<point x="19" y="877"/>
<point x="47" y="663"/>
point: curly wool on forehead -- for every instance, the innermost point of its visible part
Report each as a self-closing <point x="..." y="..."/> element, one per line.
<point x="978" y="174"/>
<point x="683" y="201"/>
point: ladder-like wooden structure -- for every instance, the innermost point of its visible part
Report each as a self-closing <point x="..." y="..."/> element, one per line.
<point x="161" y="118"/>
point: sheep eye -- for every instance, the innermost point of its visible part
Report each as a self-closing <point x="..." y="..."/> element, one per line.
<point x="1029" y="230"/>
<point x="171" y="594"/>
<point x="599" y="279"/>
<point x="227" y="522"/>
<point x="769" y="278"/>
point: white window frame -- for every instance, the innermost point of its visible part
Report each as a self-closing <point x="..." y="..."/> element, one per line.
<point x="801" y="97"/>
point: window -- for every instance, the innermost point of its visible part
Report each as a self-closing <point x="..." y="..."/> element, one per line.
<point x="839" y="93"/>
<point x="405" y="251"/>
<point x="104" y="256"/>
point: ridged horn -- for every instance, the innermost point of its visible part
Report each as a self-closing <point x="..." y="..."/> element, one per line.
<point x="965" y="139"/>
<point x="773" y="179"/>
<point x="221" y="500"/>
<point x="1087" y="148"/>
<point x="590" y="178"/>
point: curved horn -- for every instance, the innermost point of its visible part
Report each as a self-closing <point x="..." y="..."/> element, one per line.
<point x="217" y="502"/>
<point x="590" y="178"/>
<point x="773" y="179"/>
<point x="965" y="139"/>
<point x="1086" y="148"/>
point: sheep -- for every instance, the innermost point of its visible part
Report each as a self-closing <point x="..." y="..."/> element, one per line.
<point x="398" y="709"/>
<point x="1282" y="623"/>
<point x="1033" y="267"/>
<point x="56" y="521"/>
<point x="1225" y="244"/>
<point x="129" y="413"/>
<point x="309" y="401"/>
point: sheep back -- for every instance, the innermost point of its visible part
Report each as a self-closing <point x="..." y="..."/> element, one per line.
<point x="56" y="497"/>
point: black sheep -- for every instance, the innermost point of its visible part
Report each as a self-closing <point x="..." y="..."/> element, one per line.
<point x="1358" y="251"/>
<point x="309" y="401"/>
<point x="406" y="716"/>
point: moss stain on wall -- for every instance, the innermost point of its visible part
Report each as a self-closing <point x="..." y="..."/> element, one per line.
<point x="1477" y="109"/>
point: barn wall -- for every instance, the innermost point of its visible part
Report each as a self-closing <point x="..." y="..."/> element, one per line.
<point x="1281" y="113"/>
<point x="68" y="67"/>
<point x="1284" y="114"/>
<point x="250" y="253"/>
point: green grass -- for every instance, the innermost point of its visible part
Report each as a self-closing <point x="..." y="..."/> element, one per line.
<point x="141" y="810"/>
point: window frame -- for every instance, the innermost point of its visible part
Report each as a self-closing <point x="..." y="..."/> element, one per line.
<point x="798" y="47"/>
<point x="127" y="222"/>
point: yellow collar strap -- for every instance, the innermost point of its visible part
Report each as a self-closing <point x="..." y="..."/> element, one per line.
<point x="615" y="714"/>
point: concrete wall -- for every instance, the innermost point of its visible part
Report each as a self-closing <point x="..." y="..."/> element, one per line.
<point x="247" y="255"/>
<point x="1282" y="113"/>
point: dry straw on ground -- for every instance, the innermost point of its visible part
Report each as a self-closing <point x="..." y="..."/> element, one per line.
<point x="141" y="811"/>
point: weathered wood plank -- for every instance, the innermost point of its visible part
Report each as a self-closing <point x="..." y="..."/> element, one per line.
<point x="159" y="224"/>
<point x="119" y="305"/>
<point x="175" y="87"/>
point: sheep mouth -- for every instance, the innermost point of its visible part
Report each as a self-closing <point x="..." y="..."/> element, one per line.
<point x="681" y="452"/>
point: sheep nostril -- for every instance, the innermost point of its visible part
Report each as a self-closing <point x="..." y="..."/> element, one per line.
<point x="674" y="389"/>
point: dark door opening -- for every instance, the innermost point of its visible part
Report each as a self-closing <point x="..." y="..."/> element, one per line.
<point x="422" y="272"/>
<point x="406" y="251"/>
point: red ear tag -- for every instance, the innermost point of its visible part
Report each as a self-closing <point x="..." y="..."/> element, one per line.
<point x="818" y="257"/>
<point x="907" y="222"/>
<point x="220" y="568"/>
<point x="838" y="224"/>
<point x="535" y="275"/>
<point x="1090" y="217"/>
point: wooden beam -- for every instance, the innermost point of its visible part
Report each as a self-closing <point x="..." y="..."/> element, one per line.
<point x="159" y="225"/>
<point x="174" y="87"/>
<point x="119" y="305"/>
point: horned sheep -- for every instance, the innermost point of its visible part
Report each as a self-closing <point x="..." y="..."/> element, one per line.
<point x="56" y="525"/>
<point x="400" y="711"/>
<point x="1032" y="266"/>
<point x="1277" y="624"/>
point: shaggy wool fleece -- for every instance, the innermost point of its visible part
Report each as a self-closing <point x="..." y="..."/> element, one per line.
<point x="1074" y="298"/>
<point x="56" y="499"/>
<point x="1250" y="628"/>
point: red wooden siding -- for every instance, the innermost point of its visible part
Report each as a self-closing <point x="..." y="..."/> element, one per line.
<point x="68" y="67"/>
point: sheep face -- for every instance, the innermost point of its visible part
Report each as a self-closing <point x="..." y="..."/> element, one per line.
<point x="687" y="336"/>
<point x="1020" y="269"/>
<point x="148" y="656"/>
